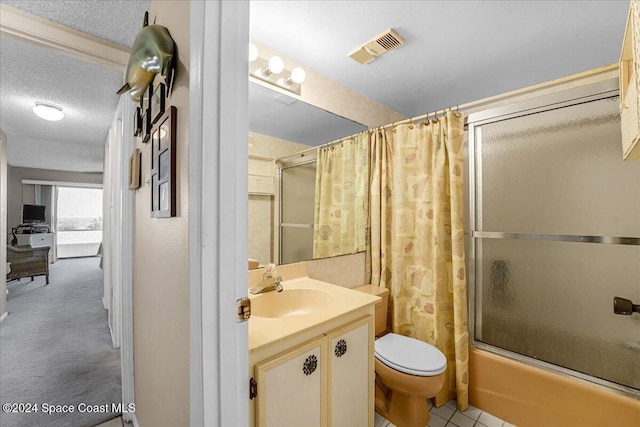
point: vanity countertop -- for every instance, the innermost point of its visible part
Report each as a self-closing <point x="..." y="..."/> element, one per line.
<point x="265" y="331"/>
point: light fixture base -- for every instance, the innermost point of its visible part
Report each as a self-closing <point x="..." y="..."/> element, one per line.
<point x="47" y="111"/>
<point x="280" y="80"/>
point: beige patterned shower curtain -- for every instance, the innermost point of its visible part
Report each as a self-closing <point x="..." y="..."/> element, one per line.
<point x="417" y="238"/>
<point x="341" y="202"/>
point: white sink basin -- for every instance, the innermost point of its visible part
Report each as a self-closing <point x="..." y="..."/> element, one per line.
<point x="288" y="303"/>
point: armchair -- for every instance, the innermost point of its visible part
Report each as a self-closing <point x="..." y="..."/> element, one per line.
<point x="28" y="262"/>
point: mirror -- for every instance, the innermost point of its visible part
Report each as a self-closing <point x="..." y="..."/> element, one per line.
<point x="281" y="209"/>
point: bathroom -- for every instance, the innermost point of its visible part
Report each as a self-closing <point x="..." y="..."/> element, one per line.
<point x="551" y="229"/>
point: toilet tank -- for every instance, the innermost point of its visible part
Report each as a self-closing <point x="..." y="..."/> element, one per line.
<point x="381" y="307"/>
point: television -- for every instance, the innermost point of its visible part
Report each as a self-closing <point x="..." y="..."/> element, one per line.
<point x="33" y="214"/>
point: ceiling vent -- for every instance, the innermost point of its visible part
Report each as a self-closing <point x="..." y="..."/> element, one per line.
<point x="385" y="42"/>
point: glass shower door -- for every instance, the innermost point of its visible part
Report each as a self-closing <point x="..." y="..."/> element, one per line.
<point x="297" y="198"/>
<point x="556" y="235"/>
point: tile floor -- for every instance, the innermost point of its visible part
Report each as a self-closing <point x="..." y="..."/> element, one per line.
<point x="448" y="415"/>
<point x="444" y="416"/>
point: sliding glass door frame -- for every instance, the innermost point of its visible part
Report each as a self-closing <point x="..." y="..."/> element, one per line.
<point x="592" y="92"/>
<point x="282" y="164"/>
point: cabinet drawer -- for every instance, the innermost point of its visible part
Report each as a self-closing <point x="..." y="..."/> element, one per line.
<point x="39" y="240"/>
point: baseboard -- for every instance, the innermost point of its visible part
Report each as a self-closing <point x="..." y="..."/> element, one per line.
<point x="4" y="316"/>
<point x="131" y="419"/>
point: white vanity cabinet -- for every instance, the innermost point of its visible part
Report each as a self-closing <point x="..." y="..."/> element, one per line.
<point x="327" y="381"/>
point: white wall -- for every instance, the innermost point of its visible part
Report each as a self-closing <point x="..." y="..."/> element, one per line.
<point x="161" y="261"/>
<point x="3" y="223"/>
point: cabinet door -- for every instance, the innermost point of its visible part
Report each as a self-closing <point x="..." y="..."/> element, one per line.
<point x="292" y="388"/>
<point x="351" y="375"/>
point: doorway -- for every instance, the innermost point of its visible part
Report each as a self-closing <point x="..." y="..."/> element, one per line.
<point x="78" y="222"/>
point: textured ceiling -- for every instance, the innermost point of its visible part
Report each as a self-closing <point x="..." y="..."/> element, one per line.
<point x="298" y="122"/>
<point x="455" y="51"/>
<point x="117" y="21"/>
<point x="85" y="91"/>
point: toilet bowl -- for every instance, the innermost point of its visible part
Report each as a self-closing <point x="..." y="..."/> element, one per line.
<point x="408" y="371"/>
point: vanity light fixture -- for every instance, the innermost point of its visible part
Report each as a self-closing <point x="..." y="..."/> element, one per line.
<point x="253" y="52"/>
<point x="273" y="71"/>
<point x="297" y="76"/>
<point x="274" y="66"/>
<point x="49" y="112"/>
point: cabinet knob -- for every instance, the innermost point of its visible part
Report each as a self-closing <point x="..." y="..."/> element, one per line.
<point x="341" y="348"/>
<point x="310" y="365"/>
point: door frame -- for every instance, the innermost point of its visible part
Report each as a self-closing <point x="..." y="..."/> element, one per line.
<point x="118" y="244"/>
<point x="50" y="35"/>
<point x="123" y="283"/>
<point x="218" y="199"/>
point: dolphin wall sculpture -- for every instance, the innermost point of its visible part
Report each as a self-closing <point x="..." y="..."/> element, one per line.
<point x="153" y="52"/>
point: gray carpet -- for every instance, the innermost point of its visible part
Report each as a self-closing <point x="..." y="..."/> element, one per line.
<point x="55" y="347"/>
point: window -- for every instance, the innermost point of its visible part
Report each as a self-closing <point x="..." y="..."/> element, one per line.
<point x="79" y="224"/>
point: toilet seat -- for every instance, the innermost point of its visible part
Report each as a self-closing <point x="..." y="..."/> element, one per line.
<point x="410" y="356"/>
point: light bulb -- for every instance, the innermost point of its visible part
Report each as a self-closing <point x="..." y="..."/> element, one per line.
<point x="298" y="75"/>
<point x="253" y="52"/>
<point x="276" y="65"/>
<point x="48" y="112"/>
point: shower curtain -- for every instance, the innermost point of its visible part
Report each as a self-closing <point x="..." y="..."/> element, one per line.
<point x="340" y="221"/>
<point x="417" y="238"/>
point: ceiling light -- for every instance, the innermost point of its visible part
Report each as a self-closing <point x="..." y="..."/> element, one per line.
<point x="297" y="76"/>
<point x="253" y="52"/>
<point x="275" y="66"/>
<point x="48" y="112"/>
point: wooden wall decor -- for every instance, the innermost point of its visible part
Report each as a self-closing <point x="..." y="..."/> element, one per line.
<point x="134" y="170"/>
<point x="156" y="105"/>
<point x="145" y="109"/>
<point x="163" y="165"/>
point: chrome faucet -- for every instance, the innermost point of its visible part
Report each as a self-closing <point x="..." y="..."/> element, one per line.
<point x="269" y="282"/>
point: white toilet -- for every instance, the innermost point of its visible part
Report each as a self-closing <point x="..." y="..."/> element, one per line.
<point x="408" y="371"/>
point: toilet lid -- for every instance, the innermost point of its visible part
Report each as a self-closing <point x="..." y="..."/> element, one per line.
<point x="410" y="355"/>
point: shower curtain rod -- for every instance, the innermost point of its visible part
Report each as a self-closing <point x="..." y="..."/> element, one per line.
<point x="401" y="122"/>
<point x="481" y="102"/>
<point x="471" y="105"/>
<point x="325" y="145"/>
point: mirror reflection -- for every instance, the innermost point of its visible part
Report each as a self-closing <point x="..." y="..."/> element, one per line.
<point x="283" y="134"/>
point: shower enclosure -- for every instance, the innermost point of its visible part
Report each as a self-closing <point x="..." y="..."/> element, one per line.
<point x="554" y="226"/>
<point x="297" y="178"/>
